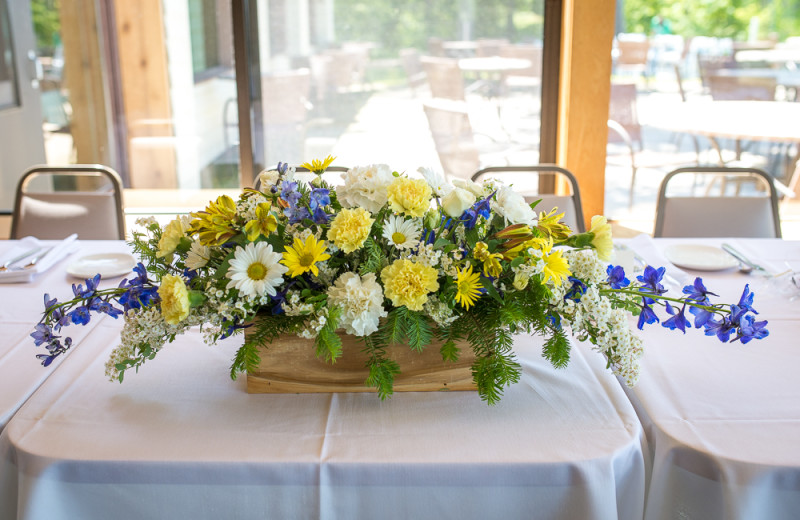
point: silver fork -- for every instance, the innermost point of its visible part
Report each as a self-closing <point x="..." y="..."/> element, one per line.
<point x="21" y="257"/>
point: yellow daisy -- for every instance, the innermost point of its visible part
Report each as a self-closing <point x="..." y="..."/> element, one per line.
<point x="556" y="267"/>
<point x="468" y="287"/>
<point x="318" y="166"/>
<point x="303" y="257"/>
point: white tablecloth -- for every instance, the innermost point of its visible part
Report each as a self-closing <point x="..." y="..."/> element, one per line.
<point x="21" y="306"/>
<point x="723" y="420"/>
<point x="181" y="440"/>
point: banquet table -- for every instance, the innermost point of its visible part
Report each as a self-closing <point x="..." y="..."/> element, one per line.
<point x="21" y="306"/>
<point x="179" y="439"/>
<point x="723" y="419"/>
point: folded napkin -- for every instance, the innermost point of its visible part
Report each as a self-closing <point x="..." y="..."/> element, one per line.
<point x="60" y="251"/>
<point x="648" y="251"/>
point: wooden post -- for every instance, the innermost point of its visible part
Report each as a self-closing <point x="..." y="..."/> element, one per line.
<point x="145" y="93"/>
<point x="585" y="87"/>
<point x="84" y="79"/>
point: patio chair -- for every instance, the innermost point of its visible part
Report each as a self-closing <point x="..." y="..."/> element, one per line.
<point x="624" y="127"/>
<point x="486" y="47"/>
<point x="555" y="186"/>
<point x="632" y="54"/>
<point x="55" y="201"/>
<point x="454" y="138"/>
<point x="285" y="107"/>
<point x="735" y="202"/>
<point x="524" y="78"/>
<point x="742" y="88"/>
<point x="410" y="58"/>
<point x="444" y="77"/>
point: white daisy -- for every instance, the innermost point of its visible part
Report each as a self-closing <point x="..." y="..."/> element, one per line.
<point x="402" y="234"/>
<point x="198" y="256"/>
<point x="255" y="270"/>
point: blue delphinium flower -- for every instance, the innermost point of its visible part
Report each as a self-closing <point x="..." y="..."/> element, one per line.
<point x="746" y="300"/>
<point x="481" y="208"/>
<point x="616" y="277"/>
<point x="319" y="216"/>
<point x="105" y="307"/>
<point x="282" y="167"/>
<point x="319" y="197"/>
<point x="42" y="334"/>
<point x="697" y="292"/>
<point x="289" y="192"/>
<point x="296" y="214"/>
<point x="91" y="287"/>
<point x="138" y="294"/>
<point x="577" y="290"/>
<point x="651" y="280"/>
<point x="678" y="319"/>
<point x="751" y="329"/>
<point x="648" y="315"/>
<point x="722" y="328"/>
<point x="80" y="315"/>
<point x="701" y="316"/>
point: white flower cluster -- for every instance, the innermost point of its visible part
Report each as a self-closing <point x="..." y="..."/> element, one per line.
<point x="365" y="187"/>
<point x="361" y="301"/>
<point x="144" y="326"/>
<point x="312" y="327"/>
<point x="585" y="265"/>
<point x="439" y="312"/>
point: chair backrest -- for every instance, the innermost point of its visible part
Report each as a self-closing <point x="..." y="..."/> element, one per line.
<point x="410" y="58"/>
<point x="751" y="210"/>
<point x="632" y="52"/>
<point x="544" y="182"/>
<point x="622" y="110"/>
<point x="532" y="53"/>
<point x="486" y="47"/>
<point x="453" y="137"/>
<point x="53" y="202"/>
<point x="744" y="88"/>
<point x="444" y="77"/>
<point x="285" y="96"/>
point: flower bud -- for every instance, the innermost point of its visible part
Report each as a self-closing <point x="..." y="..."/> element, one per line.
<point x="457" y="201"/>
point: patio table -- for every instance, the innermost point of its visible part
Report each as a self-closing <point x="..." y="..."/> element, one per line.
<point x="181" y="440"/>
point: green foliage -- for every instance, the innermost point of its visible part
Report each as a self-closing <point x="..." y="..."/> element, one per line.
<point x="46" y="25"/>
<point x="266" y="329"/>
<point x="405" y="326"/>
<point x="373" y="259"/>
<point x="449" y="351"/>
<point x="556" y="349"/>
<point x="381" y="369"/>
<point x="719" y="18"/>
<point x="246" y="360"/>
<point x="328" y="343"/>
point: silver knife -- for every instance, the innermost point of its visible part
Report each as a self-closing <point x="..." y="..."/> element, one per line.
<point x="19" y="258"/>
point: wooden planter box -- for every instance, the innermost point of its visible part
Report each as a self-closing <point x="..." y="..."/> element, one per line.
<point x="289" y="365"/>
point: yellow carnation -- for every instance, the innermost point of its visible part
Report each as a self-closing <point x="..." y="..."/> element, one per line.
<point x="350" y="229"/>
<point x="409" y="196"/>
<point x="174" y="299"/>
<point x="408" y="283"/>
<point x="171" y="237"/>
<point x="602" y="238"/>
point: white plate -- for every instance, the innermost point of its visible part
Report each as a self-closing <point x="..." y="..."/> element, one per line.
<point x="699" y="257"/>
<point x="108" y="265"/>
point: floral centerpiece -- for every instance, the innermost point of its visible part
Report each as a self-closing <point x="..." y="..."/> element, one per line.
<point x="390" y="258"/>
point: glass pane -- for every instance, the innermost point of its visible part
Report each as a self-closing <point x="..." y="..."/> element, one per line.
<point x="698" y="82"/>
<point x="451" y="85"/>
<point x="9" y="96"/>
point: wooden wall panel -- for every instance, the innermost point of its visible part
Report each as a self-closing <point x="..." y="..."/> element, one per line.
<point x="145" y="93"/>
<point x="587" y="35"/>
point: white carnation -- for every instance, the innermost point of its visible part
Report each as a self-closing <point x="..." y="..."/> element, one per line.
<point x="361" y="300"/>
<point x="365" y="187"/>
<point x="513" y="207"/>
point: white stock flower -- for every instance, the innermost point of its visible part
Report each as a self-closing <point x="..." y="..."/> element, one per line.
<point x="361" y="300"/>
<point x="473" y="187"/>
<point x="402" y="234"/>
<point x="457" y="201"/>
<point x="268" y="178"/>
<point x="255" y="270"/>
<point x="436" y="180"/>
<point x="513" y="207"/>
<point x="198" y="256"/>
<point x="365" y="187"/>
